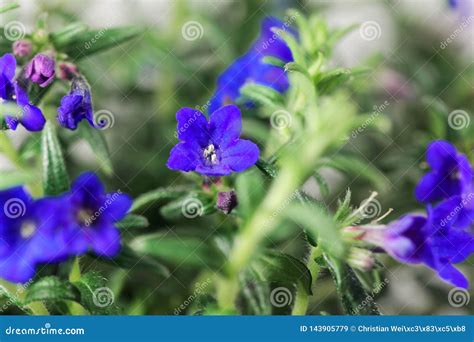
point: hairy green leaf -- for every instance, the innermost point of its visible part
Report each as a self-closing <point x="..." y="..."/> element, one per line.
<point x="55" y="177"/>
<point x="51" y="288"/>
<point x="96" y="140"/>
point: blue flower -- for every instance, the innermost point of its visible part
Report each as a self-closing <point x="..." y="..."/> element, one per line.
<point x="212" y="148"/>
<point x="76" y="105"/>
<point x="430" y="240"/>
<point x="450" y="175"/>
<point x="41" y="70"/>
<point x="91" y="216"/>
<point x="27" y="236"/>
<point x="31" y="117"/>
<point x="250" y="67"/>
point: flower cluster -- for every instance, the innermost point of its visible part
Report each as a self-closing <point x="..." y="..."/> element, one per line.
<point x="250" y="68"/>
<point x="440" y="238"/>
<point x="52" y="229"/>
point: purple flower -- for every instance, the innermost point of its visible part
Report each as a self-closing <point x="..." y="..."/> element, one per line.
<point x="450" y="175"/>
<point x="91" y="216"/>
<point x="76" y="105"/>
<point x="27" y="237"/>
<point x="40" y="70"/>
<point x="22" y="48"/>
<point x="430" y="240"/>
<point x="250" y="67"/>
<point x="31" y="117"/>
<point x="212" y="148"/>
<point x="226" y="201"/>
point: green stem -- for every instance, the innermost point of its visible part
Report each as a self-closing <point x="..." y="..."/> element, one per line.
<point x="75" y="275"/>
<point x="9" y="150"/>
<point x="301" y="301"/>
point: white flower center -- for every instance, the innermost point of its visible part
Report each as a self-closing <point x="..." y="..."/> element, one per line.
<point x="209" y="154"/>
<point x="27" y="229"/>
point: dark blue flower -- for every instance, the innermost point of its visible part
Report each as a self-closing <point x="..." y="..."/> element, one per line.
<point x="212" y="148"/>
<point x="41" y="70"/>
<point x="91" y="216"/>
<point x="250" y="67"/>
<point x="76" y="105"/>
<point x="430" y="240"/>
<point x="450" y="175"/>
<point x="27" y="236"/>
<point x="30" y="117"/>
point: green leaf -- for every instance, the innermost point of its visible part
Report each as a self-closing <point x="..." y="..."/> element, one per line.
<point x="51" y="289"/>
<point x="129" y="259"/>
<point x="281" y="268"/>
<point x="273" y="61"/>
<point x="344" y="208"/>
<point x="250" y="188"/>
<point x="13" y="178"/>
<point x="64" y="36"/>
<point x="90" y="42"/>
<point x="95" y="296"/>
<point x="8" y="7"/>
<point x="96" y="141"/>
<point x="12" y="294"/>
<point x="333" y="79"/>
<point x="355" y="300"/>
<point x="55" y="178"/>
<point x="296" y="50"/>
<point x="261" y="94"/>
<point x="317" y="222"/>
<point x="323" y="185"/>
<point x="133" y="222"/>
<point x="188" y="251"/>
<point x="158" y="196"/>
<point x="268" y="169"/>
<point x="358" y="168"/>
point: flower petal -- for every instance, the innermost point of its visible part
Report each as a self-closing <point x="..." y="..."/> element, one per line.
<point x="183" y="157"/>
<point x="105" y="240"/>
<point x="214" y="170"/>
<point x="440" y="152"/>
<point x="7" y="66"/>
<point x="118" y="207"/>
<point x="225" y="125"/>
<point x="192" y="126"/>
<point x="240" y="155"/>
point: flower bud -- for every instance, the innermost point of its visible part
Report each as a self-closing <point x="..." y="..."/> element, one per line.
<point x="67" y="71"/>
<point x="226" y="201"/>
<point x="361" y="259"/>
<point x="22" y="48"/>
<point x="41" y="70"/>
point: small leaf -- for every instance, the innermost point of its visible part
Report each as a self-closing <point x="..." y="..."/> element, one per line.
<point x="51" y="289"/>
<point x="55" y="178"/>
<point x="129" y="259"/>
<point x="261" y="94"/>
<point x="344" y="208"/>
<point x="273" y="61"/>
<point x="64" y="36"/>
<point x="133" y="222"/>
<point x="281" y="268"/>
<point x="323" y="185"/>
<point x="188" y="251"/>
<point x="157" y="196"/>
<point x="96" y="141"/>
<point x="267" y="168"/>
<point x="8" y="7"/>
<point x="190" y="206"/>
<point x="95" y="296"/>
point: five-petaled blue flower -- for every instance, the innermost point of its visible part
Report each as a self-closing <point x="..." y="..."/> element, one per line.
<point x="76" y="105"/>
<point x="250" y="67"/>
<point x="450" y="175"/>
<point x="29" y="116"/>
<point x="27" y="234"/>
<point x="212" y="148"/>
<point x="91" y="215"/>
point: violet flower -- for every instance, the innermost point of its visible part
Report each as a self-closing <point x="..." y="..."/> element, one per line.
<point x="27" y="237"/>
<point x="250" y="67"/>
<point x="41" y="70"/>
<point x="450" y="175"/>
<point x="30" y="117"/>
<point x="76" y="105"/>
<point x="91" y="216"/>
<point x="22" y="48"/>
<point x="212" y="148"/>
